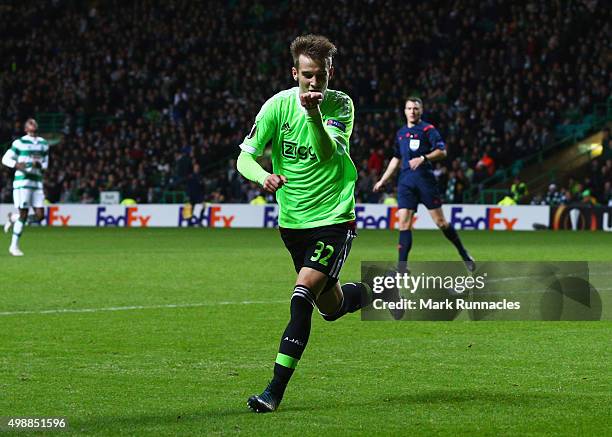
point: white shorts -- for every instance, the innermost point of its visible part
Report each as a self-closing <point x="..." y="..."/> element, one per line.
<point x="26" y="198"/>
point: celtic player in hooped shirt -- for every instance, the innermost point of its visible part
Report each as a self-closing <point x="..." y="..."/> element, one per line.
<point x="314" y="180"/>
<point x="28" y="155"/>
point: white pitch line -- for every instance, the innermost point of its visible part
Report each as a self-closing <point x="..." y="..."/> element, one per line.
<point x="187" y="305"/>
<point x="140" y="307"/>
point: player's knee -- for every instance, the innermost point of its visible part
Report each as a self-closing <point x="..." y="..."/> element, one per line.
<point x="407" y="226"/>
<point x="442" y="223"/>
<point x="330" y="285"/>
<point x="405" y="222"/>
<point x="312" y="279"/>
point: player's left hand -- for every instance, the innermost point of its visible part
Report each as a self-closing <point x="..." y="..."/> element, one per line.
<point x="311" y="100"/>
<point x="416" y="162"/>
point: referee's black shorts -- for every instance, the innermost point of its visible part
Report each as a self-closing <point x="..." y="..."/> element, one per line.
<point x="324" y="248"/>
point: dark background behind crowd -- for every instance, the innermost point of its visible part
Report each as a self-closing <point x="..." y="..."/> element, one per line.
<point x="156" y="96"/>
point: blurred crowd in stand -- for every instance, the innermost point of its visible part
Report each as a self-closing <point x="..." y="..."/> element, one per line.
<point x="154" y="97"/>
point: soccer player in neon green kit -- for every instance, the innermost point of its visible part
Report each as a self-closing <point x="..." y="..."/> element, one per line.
<point x="314" y="181"/>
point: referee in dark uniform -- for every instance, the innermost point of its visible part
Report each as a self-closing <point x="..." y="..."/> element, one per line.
<point x="417" y="145"/>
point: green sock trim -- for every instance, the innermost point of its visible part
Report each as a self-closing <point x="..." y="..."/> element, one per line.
<point x="286" y="361"/>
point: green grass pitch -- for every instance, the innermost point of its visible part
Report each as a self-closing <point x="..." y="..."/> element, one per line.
<point x="167" y="332"/>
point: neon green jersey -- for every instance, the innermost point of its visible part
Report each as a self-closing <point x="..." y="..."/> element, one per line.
<point x="316" y="193"/>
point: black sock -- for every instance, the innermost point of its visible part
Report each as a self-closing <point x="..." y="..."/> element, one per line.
<point x="453" y="237"/>
<point x="33" y="219"/>
<point x="355" y="296"/>
<point x="294" y="339"/>
<point x="405" y="244"/>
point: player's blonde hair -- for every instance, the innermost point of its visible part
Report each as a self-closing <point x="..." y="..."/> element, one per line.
<point x="414" y="99"/>
<point x="316" y="47"/>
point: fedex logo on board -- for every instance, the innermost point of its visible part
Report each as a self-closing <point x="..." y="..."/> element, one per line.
<point x="54" y="218"/>
<point x="210" y="217"/>
<point x="387" y="221"/>
<point x="491" y="220"/>
<point x="270" y="218"/>
<point x="129" y="219"/>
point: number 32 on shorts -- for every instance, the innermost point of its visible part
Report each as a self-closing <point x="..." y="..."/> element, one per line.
<point x="322" y="253"/>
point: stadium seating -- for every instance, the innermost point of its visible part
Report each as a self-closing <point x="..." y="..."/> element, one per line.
<point x="146" y="99"/>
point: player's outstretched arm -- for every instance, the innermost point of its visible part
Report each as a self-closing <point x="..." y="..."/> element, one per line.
<point x="323" y="144"/>
<point x="250" y="169"/>
<point x="391" y="169"/>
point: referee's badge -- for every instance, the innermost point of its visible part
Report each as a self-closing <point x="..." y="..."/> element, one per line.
<point x="414" y="145"/>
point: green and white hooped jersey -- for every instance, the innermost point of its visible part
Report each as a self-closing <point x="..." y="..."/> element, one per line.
<point x="316" y="193"/>
<point x="29" y="150"/>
